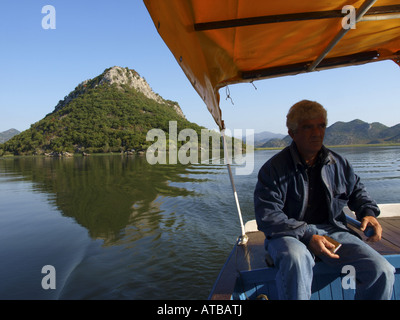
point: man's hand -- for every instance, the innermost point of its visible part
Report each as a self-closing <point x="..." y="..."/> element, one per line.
<point x="320" y="246"/>
<point x="373" y="222"/>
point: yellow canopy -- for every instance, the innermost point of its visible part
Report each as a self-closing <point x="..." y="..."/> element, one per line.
<point x="219" y="42"/>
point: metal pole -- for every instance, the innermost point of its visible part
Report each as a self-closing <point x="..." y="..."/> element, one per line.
<point x="378" y="17"/>
<point x="360" y="13"/>
<point x="243" y="238"/>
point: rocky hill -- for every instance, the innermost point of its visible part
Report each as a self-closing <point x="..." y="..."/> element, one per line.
<point x="350" y="133"/>
<point x="110" y="113"/>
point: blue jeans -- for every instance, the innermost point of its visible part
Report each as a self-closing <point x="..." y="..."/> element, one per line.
<point x="374" y="274"/>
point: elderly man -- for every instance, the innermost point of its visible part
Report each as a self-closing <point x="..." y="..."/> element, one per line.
<point x="298" y="200"/>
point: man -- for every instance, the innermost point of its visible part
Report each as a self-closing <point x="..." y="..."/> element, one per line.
<point x="298" y="200"/>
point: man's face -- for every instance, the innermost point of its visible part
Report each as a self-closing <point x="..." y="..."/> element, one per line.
<point x="309" y="136"/>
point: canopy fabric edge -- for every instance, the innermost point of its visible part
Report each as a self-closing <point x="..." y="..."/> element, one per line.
<point x="212" y="59"/>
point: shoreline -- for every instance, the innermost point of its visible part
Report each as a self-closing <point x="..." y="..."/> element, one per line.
<point x="144" y="152"/>
<point x="342" y="146"/>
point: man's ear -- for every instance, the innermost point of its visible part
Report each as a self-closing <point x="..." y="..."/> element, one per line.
<point x="291" y="133"/>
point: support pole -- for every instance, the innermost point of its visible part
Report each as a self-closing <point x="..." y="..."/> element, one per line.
<point x="243" y="238"/>
<point x="360" y="13"/>
<point x="379" y="17"/>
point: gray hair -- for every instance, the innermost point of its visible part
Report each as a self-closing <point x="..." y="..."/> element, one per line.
<point x="304" y="110"/>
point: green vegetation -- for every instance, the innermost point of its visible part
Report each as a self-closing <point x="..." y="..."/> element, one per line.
<point x="98" y="119"/>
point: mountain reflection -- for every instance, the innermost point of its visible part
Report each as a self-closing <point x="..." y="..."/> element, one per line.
<point x="106" y="194"/>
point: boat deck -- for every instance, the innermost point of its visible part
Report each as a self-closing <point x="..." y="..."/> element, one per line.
<point x="251" y="257"/>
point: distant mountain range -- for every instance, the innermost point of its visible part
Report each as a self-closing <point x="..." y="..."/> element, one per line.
<point x="8" y="134"/>
<point x="345" y="133"/>
<point x="114" y="111"/>
<point x="265" y="136"/>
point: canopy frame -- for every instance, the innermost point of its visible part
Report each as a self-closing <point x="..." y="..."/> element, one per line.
<point x="389" y="11"/>
<point x="360" y="13"/>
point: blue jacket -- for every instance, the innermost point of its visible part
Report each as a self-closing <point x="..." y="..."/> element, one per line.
<point x="281" y="193"/>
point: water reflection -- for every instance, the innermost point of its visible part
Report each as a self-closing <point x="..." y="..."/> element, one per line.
<point x="118" y="228"/>
<point x="105" y="194"/>
<point x="113" y="227"/>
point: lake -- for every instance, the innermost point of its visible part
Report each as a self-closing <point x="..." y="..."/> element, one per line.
<point x="116" y="227"/>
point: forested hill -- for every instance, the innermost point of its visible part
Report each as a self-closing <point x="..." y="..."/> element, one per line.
<point x="110" y="113"/>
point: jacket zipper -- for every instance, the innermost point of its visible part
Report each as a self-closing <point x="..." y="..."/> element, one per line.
<point x="305" y="200"/>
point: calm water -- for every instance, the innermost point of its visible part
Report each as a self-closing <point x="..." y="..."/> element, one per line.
<point x="118" y="228"/>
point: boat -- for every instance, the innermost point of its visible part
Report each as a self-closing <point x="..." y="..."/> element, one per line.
<point x="218" y="43"/>
<point x="249" y="274"/>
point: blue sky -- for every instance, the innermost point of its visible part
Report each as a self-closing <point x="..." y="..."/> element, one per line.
<point x="39" y="67"/>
